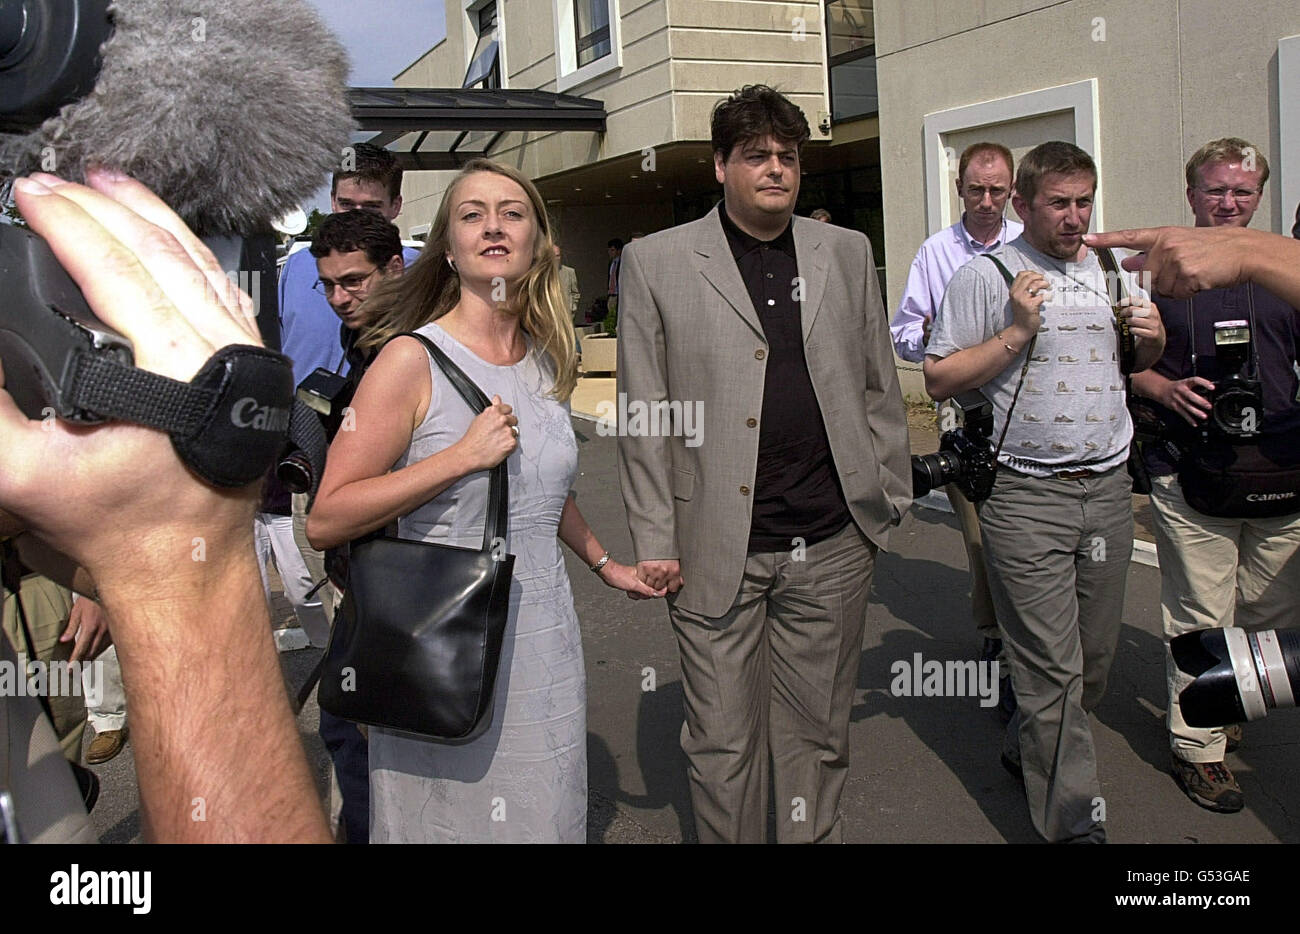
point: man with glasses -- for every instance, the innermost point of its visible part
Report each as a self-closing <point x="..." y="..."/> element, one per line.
<point x="1219" y="571"/>
<point x="355" y="251"/>
<point x="369" y="180"/>
<point x="984" y="174"/>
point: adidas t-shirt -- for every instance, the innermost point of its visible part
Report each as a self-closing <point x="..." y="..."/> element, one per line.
<point x="1071" y="412"/>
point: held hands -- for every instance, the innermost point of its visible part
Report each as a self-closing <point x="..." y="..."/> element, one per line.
<point x="663" y="575"/>
<point x="492" y="436"/>
<point x="1028" y="292"/>
<point x="1182" y="396"/>
<point x="625" y="578"/>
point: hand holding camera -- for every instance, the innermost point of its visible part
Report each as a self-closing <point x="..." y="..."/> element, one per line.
<point x="1188" y="398"/>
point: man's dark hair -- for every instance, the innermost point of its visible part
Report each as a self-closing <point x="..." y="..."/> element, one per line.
<point x="372" y="164"/>
<point x="1054" y="158"/>
<point x="353" y="231"/>
<point x="616" y="243"/>
<point x="753" y="112"/>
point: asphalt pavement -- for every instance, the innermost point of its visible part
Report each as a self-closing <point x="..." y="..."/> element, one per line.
<point x="924" y="769"/>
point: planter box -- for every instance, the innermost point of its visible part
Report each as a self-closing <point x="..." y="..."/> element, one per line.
<point x="599" y="354"/>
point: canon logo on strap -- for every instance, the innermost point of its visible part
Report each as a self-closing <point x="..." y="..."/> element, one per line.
<point x="1268" y="497"/>
<point x="248" y="414"/>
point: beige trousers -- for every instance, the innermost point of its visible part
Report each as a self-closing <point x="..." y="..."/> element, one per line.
<point x="773" y="679"/>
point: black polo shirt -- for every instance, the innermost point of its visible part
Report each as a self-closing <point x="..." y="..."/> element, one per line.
<point x="796" y="488"/>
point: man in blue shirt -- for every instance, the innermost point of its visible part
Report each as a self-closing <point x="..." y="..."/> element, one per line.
<point x="370" y="180"/>
<point x="309" y="329"/>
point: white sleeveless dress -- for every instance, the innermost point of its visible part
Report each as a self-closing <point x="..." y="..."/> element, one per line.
<point x="525" y="779"/>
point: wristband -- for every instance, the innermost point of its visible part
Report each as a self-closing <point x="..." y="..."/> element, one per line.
<point x="604" y="560"/>
<point x="1011" y="350"/>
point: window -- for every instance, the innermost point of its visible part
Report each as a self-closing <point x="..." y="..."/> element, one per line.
<point x="591" y="25"/>
<point x="485" y="63"/>
<point x="851" y="58"/>
<point x="586" y="40"/>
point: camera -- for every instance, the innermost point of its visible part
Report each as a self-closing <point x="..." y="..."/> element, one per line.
<point x="965" y="455"/>
<point x="1237" y="400"/>
<point x="1239" y="675"/>
<point x="328" y="395"/>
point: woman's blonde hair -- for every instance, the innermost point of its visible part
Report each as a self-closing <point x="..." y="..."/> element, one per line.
<point x="430" y="287"/>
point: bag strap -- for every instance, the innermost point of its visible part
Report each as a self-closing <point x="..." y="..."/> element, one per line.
<point x="498" y="509"/>
<point x="498" y="491"/>
<point x="1024" y="367"/>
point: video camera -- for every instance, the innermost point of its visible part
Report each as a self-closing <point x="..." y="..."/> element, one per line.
<point x="965" y="455"/>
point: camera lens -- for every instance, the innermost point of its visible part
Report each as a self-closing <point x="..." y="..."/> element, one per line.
<point x="1237" y="411"/>
<point x="294" y="472"/>
<point x="1239" y="675"/>
<point x="932" y="470"/>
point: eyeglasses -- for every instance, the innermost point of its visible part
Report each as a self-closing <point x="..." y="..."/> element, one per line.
<point x="1221" y="194"/>
<point x="350" y="284"/>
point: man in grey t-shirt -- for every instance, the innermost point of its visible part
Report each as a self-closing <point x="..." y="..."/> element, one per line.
<point x="1058" y="526"/>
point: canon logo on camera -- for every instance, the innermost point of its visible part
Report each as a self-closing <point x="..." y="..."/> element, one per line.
<point x="248" y="414"/>
<point x="1267" y="497"/>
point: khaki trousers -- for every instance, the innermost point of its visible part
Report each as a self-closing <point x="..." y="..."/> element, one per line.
<point x="774" y="678"/>
<point x="47" y="607"/>
<point x="1216" y="573"/>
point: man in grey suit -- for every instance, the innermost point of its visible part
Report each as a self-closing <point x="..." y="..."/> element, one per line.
<point x="762" y="520"/>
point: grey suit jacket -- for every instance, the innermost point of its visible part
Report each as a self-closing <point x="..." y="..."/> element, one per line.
<point x="688" y="333"/>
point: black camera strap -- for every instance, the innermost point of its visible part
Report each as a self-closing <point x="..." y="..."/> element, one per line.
<point x="1024" y="367"/>
<point x="1117" y="293"/>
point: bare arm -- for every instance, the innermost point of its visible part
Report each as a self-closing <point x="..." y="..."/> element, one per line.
<point x="975" y="366"/>
<point x="217" y="752"/>
<point x="358" y="493"/>
<point x="575" y="533"/>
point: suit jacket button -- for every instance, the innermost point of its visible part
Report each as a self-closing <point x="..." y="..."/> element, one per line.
<point x="744" y="491"/>
<point x="760" y="354"/>
<point x="751" y="423"/>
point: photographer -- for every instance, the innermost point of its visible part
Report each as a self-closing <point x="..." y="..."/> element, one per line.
<point x="355" y="252"/>
<point x="1238" y="565"/>
<point x="1058" y="526"/>
<point x="171" y="556"/>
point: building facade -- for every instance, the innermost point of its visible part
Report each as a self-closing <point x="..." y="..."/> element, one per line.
<point x="1139" y="85"/>
<point x="659" y="66"/>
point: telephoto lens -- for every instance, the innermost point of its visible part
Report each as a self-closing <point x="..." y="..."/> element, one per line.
<point x="1239" y="675"/>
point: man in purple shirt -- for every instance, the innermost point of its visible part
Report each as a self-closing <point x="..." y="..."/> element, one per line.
<point x="984" y="176"/>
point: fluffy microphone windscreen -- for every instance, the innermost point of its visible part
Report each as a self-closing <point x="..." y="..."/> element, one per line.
<point x="233" y="112"/>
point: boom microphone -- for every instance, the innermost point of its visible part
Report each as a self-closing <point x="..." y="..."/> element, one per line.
<point x="231" y="112"/>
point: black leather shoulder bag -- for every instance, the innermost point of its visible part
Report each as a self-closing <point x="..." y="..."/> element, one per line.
<point x="416" y="642"/>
